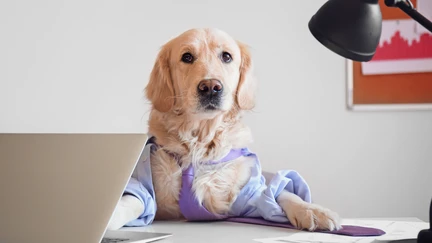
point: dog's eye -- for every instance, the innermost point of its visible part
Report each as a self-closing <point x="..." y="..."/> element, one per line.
<point x="226" y="57"/>
<point x="187" y="58"/>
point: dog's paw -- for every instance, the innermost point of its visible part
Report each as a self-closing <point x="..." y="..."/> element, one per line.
<point x="128" y="209"/>
<point x="115" y="224"/>
<point x="311" y="217"/>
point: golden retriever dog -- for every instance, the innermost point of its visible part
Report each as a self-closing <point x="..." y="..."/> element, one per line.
<point x="201" y="83"/>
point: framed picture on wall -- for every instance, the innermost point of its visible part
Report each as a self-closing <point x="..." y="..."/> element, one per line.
<point x="400" y="74"/>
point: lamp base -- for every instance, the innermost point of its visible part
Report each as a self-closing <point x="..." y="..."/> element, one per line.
<point x="424" y="236"/>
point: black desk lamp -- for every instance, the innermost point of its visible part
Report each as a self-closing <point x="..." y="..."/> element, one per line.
<point x="352" y="29"/>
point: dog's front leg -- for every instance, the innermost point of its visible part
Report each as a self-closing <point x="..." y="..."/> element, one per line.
<point x="128" y="209"/>
<point x="306" y="215"/>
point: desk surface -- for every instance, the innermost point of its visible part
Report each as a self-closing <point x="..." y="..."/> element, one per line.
<point x="222" y="232"/>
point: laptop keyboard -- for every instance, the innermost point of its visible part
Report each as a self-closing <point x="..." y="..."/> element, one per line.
<point x="112" y="240"/>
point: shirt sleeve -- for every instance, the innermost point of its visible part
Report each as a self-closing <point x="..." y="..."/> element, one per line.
<point x="140" y="185"/>
<point x="256" y="199"/>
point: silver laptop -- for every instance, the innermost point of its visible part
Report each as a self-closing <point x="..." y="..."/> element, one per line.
<point x="65" y="187"/>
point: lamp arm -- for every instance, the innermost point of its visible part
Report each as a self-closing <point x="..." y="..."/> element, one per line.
<point x="408" y="8"/>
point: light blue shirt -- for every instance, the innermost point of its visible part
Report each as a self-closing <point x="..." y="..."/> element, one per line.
<point x="256" y="199"/>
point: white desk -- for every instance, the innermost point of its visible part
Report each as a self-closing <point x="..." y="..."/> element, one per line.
<point x="220" y="232"/>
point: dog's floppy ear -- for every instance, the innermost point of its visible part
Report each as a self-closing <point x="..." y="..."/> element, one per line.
<point x="160" y="89"/>
<point x="247" y="84"/>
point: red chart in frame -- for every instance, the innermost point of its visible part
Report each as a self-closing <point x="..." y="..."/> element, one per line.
<point x="400" y="48"/>
<point x="403" y="48"/>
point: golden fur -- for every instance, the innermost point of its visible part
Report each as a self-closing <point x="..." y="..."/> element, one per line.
<point x="181" y="127"/>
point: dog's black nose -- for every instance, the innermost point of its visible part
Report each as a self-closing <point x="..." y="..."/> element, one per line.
<point x="210" y="87"/>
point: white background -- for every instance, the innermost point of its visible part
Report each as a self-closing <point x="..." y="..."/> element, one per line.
<point x="81" y="66"/>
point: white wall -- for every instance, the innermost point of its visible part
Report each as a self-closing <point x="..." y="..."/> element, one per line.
<point x="81" y="66"/>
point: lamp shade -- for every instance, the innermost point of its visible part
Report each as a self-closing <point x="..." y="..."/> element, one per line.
<point x="350" y="28"/>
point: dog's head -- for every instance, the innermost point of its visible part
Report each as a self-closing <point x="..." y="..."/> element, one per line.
<point x="203" y="72"/>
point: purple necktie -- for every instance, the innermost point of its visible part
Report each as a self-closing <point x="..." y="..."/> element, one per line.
<point x="189" y="206"/>
<point x="348" y="230"/>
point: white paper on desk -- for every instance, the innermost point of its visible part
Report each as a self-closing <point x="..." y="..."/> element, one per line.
<point x="315" y="237"/>
<point x="395" y="230"/>
<point x="321" y="237"/>
<point x="403" y="231"/>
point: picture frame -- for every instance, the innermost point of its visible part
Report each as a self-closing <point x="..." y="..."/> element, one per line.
<point x="399" y="77"/>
